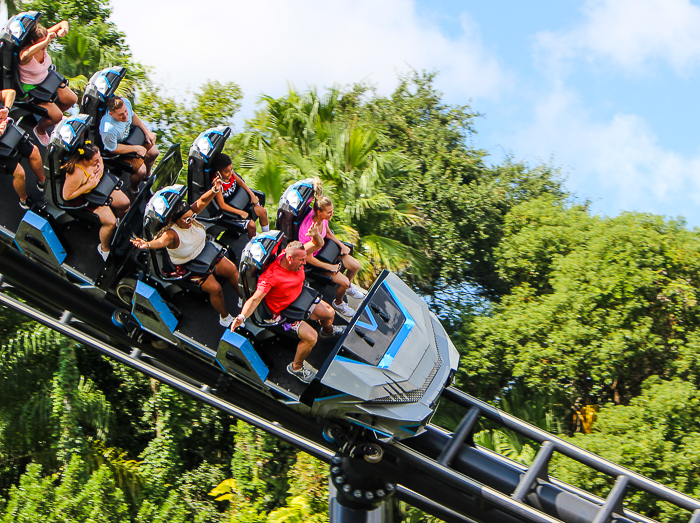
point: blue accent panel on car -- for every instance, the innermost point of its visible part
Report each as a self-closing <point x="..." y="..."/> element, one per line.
<point x="409" y="428"/>
<point x="402" y="334"/>
<point x="45" y="228"/>
<point x="373" y="429"/>
<point x="372" y="326"/>
<point x="244" y="345"/>
<point x="334" y="396"/>
<point x="149" y="293"/>
<point x="348" y="360"/>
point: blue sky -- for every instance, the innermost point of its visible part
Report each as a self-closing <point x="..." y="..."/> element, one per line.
<point x="603" y="89"/>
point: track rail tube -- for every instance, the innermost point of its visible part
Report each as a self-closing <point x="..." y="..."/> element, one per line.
<point x="572" y="451"/>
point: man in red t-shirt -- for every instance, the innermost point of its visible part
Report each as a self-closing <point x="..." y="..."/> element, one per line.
<point x="280" y="285"/>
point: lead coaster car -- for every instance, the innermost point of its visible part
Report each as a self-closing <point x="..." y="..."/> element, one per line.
<point x="384" y="375"/>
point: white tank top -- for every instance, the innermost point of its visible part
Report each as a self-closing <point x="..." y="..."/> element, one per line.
<point x="192" y="242"/>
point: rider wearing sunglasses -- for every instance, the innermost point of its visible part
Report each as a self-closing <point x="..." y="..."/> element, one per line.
<point x="184" y="238"/>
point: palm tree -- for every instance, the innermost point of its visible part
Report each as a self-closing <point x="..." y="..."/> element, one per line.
<point x="299" y="136"/>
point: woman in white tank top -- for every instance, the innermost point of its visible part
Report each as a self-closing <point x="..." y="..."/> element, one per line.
<point x="184" y="238"/>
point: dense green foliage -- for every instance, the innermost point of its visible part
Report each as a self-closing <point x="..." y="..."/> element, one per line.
<point x="555" y="311"/>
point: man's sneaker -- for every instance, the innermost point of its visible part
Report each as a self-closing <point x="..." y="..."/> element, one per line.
<point x="41" y="185"/>
<point x="102" y="253"/>
<point x="43" y="138"/>
<point x="353" y="292"/>
<point x="226" y="322"/>
<point x="305" y="374"/>
<point x="24" y="204"/>
<point x="344" y="309"/>
<point x="337" y="331"/>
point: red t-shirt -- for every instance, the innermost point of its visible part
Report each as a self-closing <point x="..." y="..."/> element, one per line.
<point x="281" y="285"/>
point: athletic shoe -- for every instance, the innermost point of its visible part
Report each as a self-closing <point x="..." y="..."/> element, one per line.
<point x="24" y="204"/>
<point x="344" y="309"/>
<point x="41" y="185"/>
<point x="354" y="292"/>
<point x="305" y="374"/>
<point x="43" y="138"/>
<point x="102" y="253"/>
<point x="226" y="322"/>
<point x="337" y="331"/>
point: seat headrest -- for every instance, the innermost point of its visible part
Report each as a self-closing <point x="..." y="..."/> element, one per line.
<point x="70" y="133"/>
<point x="19" y="26"/>
<point x="297" y="197"/>
<point x="161" y="206"/>
<point x="262" y="250"/>
<point x="103" y="84"/>
<point x="210" y="143"/>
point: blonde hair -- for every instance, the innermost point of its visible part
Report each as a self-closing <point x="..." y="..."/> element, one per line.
<point x="294" y="246"/>
<point x="321" y="201"/>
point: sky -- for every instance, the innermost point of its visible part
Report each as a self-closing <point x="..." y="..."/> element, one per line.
<point x="605" y="90"/>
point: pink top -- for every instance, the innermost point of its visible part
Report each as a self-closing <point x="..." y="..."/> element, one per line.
<point x="34" y="73"/>
<point x="306" y="225"/>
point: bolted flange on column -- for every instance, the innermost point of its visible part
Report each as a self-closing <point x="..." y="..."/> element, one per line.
<point x="358" y="483"/>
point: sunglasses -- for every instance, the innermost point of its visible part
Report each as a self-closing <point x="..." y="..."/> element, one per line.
<point x="189" y="219"/>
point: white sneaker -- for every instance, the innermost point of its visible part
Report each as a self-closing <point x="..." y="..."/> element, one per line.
<point x="102" y="253"/>
<point x="354" y="292"/>
<point x="344" y="309"/>
<point x="337" y="331"/>
<point x="306" y="374"/>
<point x="226" y="322"/>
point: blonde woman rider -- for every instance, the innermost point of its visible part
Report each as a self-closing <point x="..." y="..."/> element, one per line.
<point x="321" y="214"/>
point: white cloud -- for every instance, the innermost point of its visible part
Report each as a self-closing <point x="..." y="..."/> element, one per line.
<point x="617" y="162"/>
<point x="629" y="34"/>
<point x="262" y="45"/>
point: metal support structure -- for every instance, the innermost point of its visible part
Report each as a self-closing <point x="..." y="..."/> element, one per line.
<point x="538" y="469"/>
<point x="572" y="451"/>
<point x="338" y="513"/>
<point x="614" y="502"/>
<point x="466" y="426"/>
<point x="439" y="472"/>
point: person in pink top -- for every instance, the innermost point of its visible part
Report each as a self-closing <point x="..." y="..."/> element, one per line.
<point x="320" y="215"/>
<point x="34" y="62"/>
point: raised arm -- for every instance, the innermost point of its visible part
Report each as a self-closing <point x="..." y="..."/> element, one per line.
<point x="207" y="197"/>
<point x="60" y="29"/>
<point x="26" y="54"/>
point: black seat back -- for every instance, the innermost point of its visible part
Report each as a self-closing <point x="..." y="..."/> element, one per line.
<point x="66" y="138"/>
<point x="9" y="142"/>
<point x="257" y="256"/>
<point x="295" y="203"/>
<point x="101" y="86"/>
<point x="199" y="176"/>
<point x="158" y="211"/>
<point x="12" y="36"/>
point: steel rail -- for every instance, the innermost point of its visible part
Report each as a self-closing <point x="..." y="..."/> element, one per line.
<point x="572" y="451"/>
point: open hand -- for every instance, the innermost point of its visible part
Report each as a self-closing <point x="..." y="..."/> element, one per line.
<point x="139" y="243"/>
